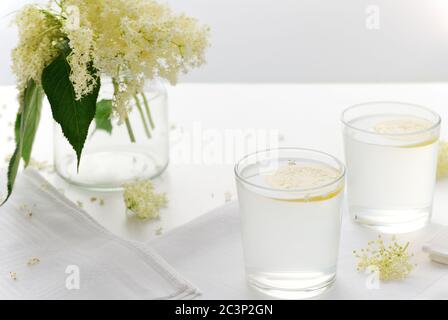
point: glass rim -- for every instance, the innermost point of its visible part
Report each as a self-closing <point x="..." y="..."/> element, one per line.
<point x="417" y="132"/>
<point x="301" y="190"/>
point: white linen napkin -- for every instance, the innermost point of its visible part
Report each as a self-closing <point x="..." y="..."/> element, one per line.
<point x="437" y="247"/>
<point x="49" y="254"/>
<point x="208" y="251"/>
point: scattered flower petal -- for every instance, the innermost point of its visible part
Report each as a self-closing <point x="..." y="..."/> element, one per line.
<point x="13" y="275"/>
<point x="159" y="231"/>
<point x="227" y="196"/>
<point x="33" y="261"/>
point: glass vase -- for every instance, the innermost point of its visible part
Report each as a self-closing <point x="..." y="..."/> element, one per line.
<point x="111" y="158"/>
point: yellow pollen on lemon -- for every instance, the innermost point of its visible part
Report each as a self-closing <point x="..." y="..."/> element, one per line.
<point x="302" y="176"/>
<point x="408" y="129"/>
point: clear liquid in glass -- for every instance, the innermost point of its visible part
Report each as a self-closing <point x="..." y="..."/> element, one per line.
<point x="391" y="174"/>
<point x="290" y="241"/>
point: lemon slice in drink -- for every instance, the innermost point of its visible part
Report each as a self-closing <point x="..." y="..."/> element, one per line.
<point x="410" y="130"/>
<point x="302" y="176"/>
<point x="402" y="126"/>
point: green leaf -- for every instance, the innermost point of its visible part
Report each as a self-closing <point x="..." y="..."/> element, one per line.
<point x="27" y="121"/>
<point x="17" y="126"/>
<point x="73" y="115"/>
<point x="13" y="167"/>
<point x="30" y="119"/>
<point x="103" y="115"/>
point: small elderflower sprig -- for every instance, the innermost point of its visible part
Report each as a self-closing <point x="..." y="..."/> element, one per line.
<point x="142" y="201"/>
<point x="442" y="169"/>
<point x="392" y="261"/>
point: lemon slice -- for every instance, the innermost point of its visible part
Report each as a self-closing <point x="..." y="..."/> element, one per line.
<point x="421" y="144"/>
<point x="318" y="198"/>
<point x="296" y="176"/>
<point x="402" y="126"/>
<point x="407" y="127"/>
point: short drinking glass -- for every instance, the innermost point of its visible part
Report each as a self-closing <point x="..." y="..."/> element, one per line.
<point x="290" y="207"/>
<point x="391" y="153"/>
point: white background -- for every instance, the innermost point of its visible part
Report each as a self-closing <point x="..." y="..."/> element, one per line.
<point x="305" y="40"/>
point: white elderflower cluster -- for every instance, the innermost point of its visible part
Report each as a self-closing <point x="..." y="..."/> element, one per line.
<point x="39" y="32"/>
<point x="126" y="89"/>
<point x="127" y="40"/>
<point x="442" y="169"/>
<point x="142" y="201"/>
<point x="130" y="41"/>
<point x="80" y="42"/>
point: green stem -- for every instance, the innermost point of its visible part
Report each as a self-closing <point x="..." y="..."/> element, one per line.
<point x="140" y="110"/>
<point x="148" y="111"/>
<point x="130" y="131"/>
<point x="127" y="122"/>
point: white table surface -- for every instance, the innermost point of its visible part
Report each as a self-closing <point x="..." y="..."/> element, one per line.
<point x="306" y="115"/>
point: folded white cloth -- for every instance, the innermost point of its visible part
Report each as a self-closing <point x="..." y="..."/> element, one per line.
<point x="60" y="252"/>
<point x="208" y="252"/>
<point x="437" y="247"/>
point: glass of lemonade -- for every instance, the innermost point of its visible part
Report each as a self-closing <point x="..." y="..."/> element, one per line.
<point x="290" y="206"/>
<point x="391" y="154"/>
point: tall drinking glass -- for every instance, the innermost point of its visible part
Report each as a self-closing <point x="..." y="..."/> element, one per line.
<point x="290" y="207"/>
<point x="391" y="154"/>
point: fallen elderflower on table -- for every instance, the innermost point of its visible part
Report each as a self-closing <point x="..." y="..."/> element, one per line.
<point x="391" y="261"/>
<point x="142" y="201"/>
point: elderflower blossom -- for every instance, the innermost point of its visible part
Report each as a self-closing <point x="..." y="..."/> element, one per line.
<point x="442" y="169"/>
<point x="80" y="41"/>
<point x="134" y="40"/>
<point x="127" y="40"/>
<point x="392" y="261"/>
<point x="124" y="91"/>
<point x="142" y="201"/>
<point x="39" y="32"/>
